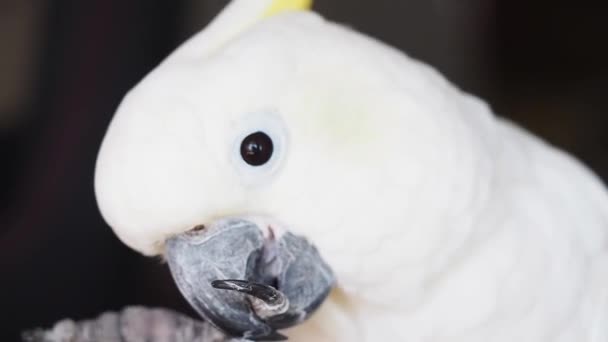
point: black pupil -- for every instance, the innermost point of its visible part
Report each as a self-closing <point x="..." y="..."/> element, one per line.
<point x="256" y="149"/>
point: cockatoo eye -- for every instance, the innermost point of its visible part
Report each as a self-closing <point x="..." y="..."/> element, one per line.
<point x="257" y="149"/>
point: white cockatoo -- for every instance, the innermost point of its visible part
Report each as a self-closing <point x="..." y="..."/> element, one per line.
<point x="284" y="165"/>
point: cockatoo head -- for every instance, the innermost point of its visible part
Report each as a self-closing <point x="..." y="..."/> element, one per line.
<point x="267" y="133"/>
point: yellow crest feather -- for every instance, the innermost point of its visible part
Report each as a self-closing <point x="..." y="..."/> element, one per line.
<point x="279" y="6"/>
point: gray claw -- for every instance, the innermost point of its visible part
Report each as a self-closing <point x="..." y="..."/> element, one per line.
<point x="265" y="300"/>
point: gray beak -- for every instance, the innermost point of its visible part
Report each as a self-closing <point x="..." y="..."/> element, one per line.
<point x="246" y="284"/>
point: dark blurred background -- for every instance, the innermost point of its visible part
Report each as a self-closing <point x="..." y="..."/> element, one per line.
<point x="65" y="65"/>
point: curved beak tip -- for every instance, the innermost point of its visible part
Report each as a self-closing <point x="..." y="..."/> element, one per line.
<point x="245" y="284"/>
